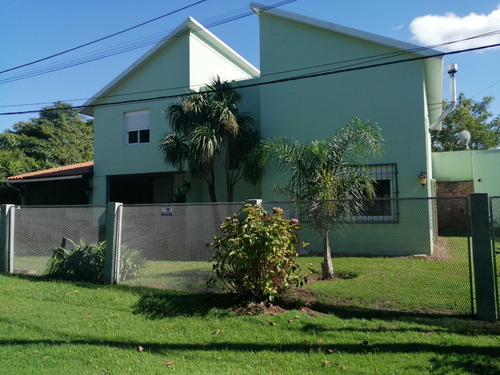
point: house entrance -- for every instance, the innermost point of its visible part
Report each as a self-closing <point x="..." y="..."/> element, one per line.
<point x="145" y="188"/>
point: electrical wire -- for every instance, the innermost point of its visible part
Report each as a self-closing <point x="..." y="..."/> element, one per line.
<point x="276" y="81"/>
<point x="123" y="48"/>
<point x="346" y="64"/>
<point x="101" y="39"/>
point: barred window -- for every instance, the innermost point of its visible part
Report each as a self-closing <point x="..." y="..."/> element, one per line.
<point x="383" y="206"/>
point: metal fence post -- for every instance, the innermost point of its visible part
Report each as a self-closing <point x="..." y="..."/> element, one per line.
<point x="482" y="257"/>
<point x="113" y="243"/>
<point x="6" y="237"/>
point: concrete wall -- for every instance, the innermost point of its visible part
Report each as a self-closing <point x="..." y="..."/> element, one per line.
<point x="480" y="166"/>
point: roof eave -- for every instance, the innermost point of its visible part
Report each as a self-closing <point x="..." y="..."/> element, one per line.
<point x="413" y="48"/>
<point x="88" y="106"/>
<point x="44" y="179"/>
<point x="190" y="24"/>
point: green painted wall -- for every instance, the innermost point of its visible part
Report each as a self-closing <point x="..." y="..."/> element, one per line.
<point x="402" y="98"/>
<point x="394" y="96"/>
<point x="480" y="166"/>
<point x="185" y="61"/>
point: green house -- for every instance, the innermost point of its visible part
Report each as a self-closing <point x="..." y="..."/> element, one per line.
<point x="314" y="77"/>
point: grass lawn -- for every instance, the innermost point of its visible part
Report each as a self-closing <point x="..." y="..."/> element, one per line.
<point x="53" y="327"/>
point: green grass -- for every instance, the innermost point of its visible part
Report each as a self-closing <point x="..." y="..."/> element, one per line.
<point x="49" y="327"/>
<point x="412" y="284"/>
<point x="180" y="276"/>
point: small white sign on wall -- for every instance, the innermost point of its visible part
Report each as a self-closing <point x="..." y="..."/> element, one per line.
<point x="167" y="211"/>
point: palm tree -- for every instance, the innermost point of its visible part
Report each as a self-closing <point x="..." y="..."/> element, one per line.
<point x="208" y="127"/>
<point x="329" y="177"/>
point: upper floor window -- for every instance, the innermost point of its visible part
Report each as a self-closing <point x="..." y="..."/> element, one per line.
<point x="137" y="127"/>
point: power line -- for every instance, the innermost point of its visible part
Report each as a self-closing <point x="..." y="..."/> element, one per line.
<point x="126" y="47"/>
<point x="101" y="39"/>
<point x="346" y="63"/>
<point x="279" y="80"/>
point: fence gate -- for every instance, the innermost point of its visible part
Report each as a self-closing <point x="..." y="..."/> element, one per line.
<point x="495" y="243"/>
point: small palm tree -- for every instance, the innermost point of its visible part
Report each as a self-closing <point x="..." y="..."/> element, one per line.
<point x="330" y="175"/>
<point x="208" y="127"/>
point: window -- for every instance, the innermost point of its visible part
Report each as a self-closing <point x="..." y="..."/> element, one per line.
<point x="137" y="127"/>
<point x="382" y="208"/>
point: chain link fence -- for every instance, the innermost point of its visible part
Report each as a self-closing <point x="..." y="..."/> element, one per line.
<point x="40" y="230"/>
<point x="398" y="243"/>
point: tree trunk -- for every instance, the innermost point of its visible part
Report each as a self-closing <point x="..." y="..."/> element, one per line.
<point x="211" y="192"/>
<point x="230" y="189"/>
<point x="211" y="186"/>
<point x="326" y="266"/>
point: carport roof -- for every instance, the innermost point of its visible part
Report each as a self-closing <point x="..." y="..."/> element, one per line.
<point x="67" y="171"/>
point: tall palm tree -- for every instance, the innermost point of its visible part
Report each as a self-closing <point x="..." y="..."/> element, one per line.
<point x="207" y="127"/>
<point x="328" y="176"/>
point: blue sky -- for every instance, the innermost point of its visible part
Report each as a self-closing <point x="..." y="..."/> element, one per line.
<point x="34" y="29"/>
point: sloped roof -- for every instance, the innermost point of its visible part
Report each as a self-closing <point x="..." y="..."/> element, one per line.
<point x="189" y="25"/>
<point x="419" y="50"/>
<point x="69" y="171"/>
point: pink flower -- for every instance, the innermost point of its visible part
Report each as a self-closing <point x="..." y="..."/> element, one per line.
<point x="295" y="221"/>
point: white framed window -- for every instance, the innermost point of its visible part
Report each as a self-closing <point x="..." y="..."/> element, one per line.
<point x="383" y="207"/>
<point x="137" y="127"/>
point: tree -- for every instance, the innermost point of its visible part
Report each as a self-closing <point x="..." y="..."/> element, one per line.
<point x="330" y="175"/>
<point x="208" y="128"/>
<point x="471" y="116"/>
<point x="58" y="137"/>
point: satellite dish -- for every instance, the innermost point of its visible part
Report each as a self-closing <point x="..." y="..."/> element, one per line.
<point x="464" y="138"/>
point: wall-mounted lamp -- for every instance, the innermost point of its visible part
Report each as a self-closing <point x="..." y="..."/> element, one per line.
<point x="422" y="177"/>
<point x="185" y="187"/>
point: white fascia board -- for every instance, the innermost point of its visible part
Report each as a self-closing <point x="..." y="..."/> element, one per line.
<point x="88" y="110"/>
<point x="211" y="39"/>
<point x="190" y="24"/>
<point x="413" y="48"/>
<point x="44" y="179"/>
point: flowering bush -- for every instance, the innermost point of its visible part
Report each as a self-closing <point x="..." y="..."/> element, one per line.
<point x="255" y="254"/>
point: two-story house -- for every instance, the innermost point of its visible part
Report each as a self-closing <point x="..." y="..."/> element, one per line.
<point x="314" y="77"/>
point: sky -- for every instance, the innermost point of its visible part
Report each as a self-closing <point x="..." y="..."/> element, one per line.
<point x="32" y="30"/>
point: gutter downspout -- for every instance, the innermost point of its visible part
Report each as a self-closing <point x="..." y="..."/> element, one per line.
<point x="436" y="125"/>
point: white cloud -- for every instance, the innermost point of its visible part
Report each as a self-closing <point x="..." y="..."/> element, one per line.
<point x="434" y="30"/>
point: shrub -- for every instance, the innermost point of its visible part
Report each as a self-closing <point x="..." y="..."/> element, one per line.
<point x="85" y="262"/>
<point x="255" y="254"/>
<point x="132" y="263"/>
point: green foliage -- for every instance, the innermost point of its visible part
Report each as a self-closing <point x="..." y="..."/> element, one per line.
<point x="327" y="173"/>
<point x="85" y="262"/>
<point x="59" y="136"/>
<point x="207" y="127"/>
<point x="132" y="263"/>
<point x="98" y="330"/>
<point x="255" y="255"/>
<point x="474" y="117"/>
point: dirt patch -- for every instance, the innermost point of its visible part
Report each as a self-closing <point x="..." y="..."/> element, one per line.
<point x="24" y="272"/>
<point x="442" y="250"/>
<point x="300" y="299"/>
